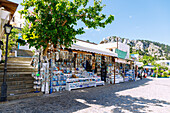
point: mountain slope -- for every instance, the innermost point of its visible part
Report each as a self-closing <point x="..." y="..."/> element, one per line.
<point x="143" y="47"/>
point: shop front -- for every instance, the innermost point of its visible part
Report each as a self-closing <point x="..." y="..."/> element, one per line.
<point x="77" y="67"/>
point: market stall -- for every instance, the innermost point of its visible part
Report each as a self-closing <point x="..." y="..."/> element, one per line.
<point x="76" y="67"/>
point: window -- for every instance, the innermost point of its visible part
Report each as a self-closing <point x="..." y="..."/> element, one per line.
<point x="13" y="19"/>
<point x="20" y="25"/>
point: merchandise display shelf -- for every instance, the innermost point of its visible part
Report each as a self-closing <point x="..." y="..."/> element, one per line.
<point x="100" y="83"/>
<point x="77" y="85"/>
<point x="118" y="79"/>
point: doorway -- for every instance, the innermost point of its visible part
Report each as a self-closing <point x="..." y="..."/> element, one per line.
<point x="103" y="69"/>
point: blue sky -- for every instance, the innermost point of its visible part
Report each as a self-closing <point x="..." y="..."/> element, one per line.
<point x="134" y="19"/>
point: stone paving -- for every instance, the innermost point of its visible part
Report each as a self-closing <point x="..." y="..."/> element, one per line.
<point x="144" y="96"/>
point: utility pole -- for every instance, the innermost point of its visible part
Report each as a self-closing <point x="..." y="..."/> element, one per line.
<point x="115" y="64"/>
<point x="117" y="42"/>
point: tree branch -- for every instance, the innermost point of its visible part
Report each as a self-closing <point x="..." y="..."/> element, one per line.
<point x="64" y="23"/>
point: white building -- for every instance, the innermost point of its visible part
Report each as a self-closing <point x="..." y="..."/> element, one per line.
<point x="4" y="18"/>
<point x="126" y="41"/>
<point x="7" y="10"/>
<point x="113" y="45"/>
<point x="164" y="63"/>
<point x="17" y="20"/>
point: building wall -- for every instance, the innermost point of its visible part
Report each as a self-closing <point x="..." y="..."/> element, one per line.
<point x="164" y="63"/>
<point x="4" y="18"/>
<point x="121" y="46"/>
<point x="17" y="20"/>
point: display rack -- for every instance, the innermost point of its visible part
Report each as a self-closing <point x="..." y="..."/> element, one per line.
<point x="98" y="62"/>
<point x="118" y="79"/>
<point x="75" y="83"/>
<point x="59" y="82"/>
<point x="129" y="75"/>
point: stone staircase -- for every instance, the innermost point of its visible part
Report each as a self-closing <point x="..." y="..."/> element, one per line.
<point x="23" y="53"/>
<point x="19" y="79"/>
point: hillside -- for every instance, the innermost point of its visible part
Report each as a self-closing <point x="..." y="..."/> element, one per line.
<point x="143" y="47"/>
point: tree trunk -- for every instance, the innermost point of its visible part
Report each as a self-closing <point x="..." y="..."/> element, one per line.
<point x="45" y="50"/>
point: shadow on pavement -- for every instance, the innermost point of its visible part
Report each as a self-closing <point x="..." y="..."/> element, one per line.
<point x="76" y="100"/>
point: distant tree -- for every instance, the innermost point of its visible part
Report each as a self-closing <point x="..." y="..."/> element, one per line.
<point x="131" y="50"/>
<point x="146" y="50"/>
<point x="101" y="42"/>
<point x="110" y="39"/>
<point x="123" y="40"/>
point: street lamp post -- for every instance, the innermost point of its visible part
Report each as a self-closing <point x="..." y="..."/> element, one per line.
<point x="8" y="29"/>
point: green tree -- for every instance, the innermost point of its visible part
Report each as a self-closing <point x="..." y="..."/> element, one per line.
<point x="24" y="32"/>
<point x="147" y="59"/>
<point x="55" y="21"/>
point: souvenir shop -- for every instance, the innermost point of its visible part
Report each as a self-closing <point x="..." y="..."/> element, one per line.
<point x="82" y="65"/>
<point x="123" y="72"/>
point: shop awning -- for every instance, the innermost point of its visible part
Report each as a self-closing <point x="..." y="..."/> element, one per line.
<point x="148" y="67"/>
<point x="9" y="6"/>
<point x="7" y="10"/>
<point x="88" y="47"/>
<point x="139" y="64"/>
<point x="123" y="61"/>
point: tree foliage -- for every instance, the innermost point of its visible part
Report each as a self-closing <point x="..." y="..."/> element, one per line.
<point x="54" y="21"/>
<point x="147" y="59"/>
<point x="24" y="31"/>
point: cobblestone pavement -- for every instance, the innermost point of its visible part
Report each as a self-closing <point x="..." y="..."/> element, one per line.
<point x="144" y="96"/>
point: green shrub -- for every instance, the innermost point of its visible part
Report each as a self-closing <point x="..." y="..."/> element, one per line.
<point x="162" y="75"/>
<point x="159" y="70"/>
<point x="165" y="74"/>
<point x="154" y="68"/>
<point x="166" y="68"/>
<point x="159" y="75"/>
<point x="162" y="71"/>
<point x="168" y="72"/>
<point x="161" y="67"/>
<point x="2" y="61"/>
<point x="155" y="71"/>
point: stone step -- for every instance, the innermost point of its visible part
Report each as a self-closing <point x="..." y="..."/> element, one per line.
<point x="16" y="64"/>
<point x="19" y="69"/>
<point x="17" y="78"/>
<point x="20" y="62"/>
<point x="23" y="53"/>
<point x="18" y="75"/>
<point x="20" y="86"/>
<point x="17" y="83"/>
<point x="26" y="59"/>
<point x="15" y="73"/>
<point x="22" y="96"/>
<point x="19" y="91"/>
